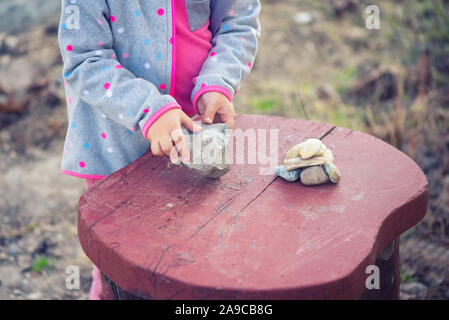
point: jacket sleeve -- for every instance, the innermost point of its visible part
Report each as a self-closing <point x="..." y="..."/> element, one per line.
<point x="94" y="75"/>
<point x="233" y="53"/>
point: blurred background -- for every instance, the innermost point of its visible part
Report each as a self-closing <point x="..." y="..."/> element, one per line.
<point x="316" y="61"/>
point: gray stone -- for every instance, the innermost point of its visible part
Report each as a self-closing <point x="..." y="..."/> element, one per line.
<point x="413" y="291"/>
<point x="34" y="296"/>
<point x="3" y="256"/>
<point x="332" y="172"/>
<point x="289" y="175"/>
<point x="14" y="249"/>
<point x="434" y="278"/>
<point x="208" y="150"/>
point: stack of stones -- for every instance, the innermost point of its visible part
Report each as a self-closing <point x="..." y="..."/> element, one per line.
<point x="311" y="162"/>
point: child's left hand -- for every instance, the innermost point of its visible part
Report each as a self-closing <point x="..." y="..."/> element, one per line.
<point x="212" y="103"/>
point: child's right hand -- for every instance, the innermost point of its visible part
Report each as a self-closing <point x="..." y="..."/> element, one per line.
<point x="166" y="132"/>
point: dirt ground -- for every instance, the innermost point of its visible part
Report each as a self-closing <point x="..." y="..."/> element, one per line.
<point x="312" y="60"/>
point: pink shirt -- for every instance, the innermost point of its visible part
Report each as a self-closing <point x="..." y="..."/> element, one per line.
<point x="192" y="49"/>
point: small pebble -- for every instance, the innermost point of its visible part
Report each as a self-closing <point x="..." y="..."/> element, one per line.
<point x="299" y="162"/>
<point x="313" y="176"/>
<point x="3" y="256"/>
<point x="34" y="296"/>
<point x="332" y="172"/>
<point x="303" y="17"/>
<point x="306" y="149"/>
<point x="289" y="175"/>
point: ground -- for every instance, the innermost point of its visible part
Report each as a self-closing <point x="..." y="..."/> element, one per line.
<point x="316" y="61"/>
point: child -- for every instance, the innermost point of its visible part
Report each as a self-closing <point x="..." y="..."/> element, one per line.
<point x="136" y="71"/>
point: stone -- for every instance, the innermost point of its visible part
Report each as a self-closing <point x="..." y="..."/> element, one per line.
<point x="34" y="296"/>
<point x="313" y="176"/>
<point x="434" y="277"/>
<point x="208" y="150"/>
<point x="303" y="17"/>
<point x="289" y="175"/>
<point x="306" y="149"/>
<point x="299" y="162"/>
<point x="332" y="172"/>
<point x="413" y="291"/>
<point x="3" y="256"/>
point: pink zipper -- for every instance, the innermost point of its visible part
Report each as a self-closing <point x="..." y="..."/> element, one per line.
<point x="173" y="66"/>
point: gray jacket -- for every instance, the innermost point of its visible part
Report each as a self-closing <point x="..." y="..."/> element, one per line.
<point x="118" y="66"/>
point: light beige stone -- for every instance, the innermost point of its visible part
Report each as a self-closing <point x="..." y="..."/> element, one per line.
<point x="306" y="149"/>
<point x="298" y="162"/>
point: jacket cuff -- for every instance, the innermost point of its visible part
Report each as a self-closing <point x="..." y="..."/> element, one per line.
<point x="148" y="121"/>
<point x="210" y="83"/>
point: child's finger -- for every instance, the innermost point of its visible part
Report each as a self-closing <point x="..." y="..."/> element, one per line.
<point x="183" y="150"/>
<point x="230" y="122"/>
<point x="189" y="124"/>
<point x="228" y="118"/>
<point x="156" y="149"/>
<point x="174" y="158"/>
<point x="176" y="135"/>
<point x="201" y="106"/>
<point x="210" y="112"/>
<point x="181" y="144"/>
<point x="166" y="145"/>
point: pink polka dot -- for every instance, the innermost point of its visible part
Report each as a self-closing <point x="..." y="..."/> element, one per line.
<point x="249" y="65"/>
<point x="70" y="100"/>
<point x="69" y="48"/>
<point x="160" y="12"/>
<point x="113" y="19"/>
<point x="194" y="80"/>
<point x="118" y="66"/>
<point x="113" y="56"/>
<point x="125" y="55"/>
<point x="203" y="85"/>
<point x="66" y="152"/>
<point x="146" y="110"/>
<point x="231" y="12"/>
<point x="103" y="135"/>
<point x="100" y="43"/>
<point x="212" y="53"/>
<point x="163" y="86"/>
<point x="99" y="21"/>
<point x="65" y="82"/>
<point x="82" y="164"/>
<point x="70" y="144"/>
<point x="107" y="85"/>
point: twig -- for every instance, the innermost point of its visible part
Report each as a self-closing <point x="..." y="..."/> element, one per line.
<point x="298" y="97"/>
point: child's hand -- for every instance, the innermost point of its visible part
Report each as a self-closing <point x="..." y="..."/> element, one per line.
<point x="211" y="103"/>
<point x="166" y="132"/>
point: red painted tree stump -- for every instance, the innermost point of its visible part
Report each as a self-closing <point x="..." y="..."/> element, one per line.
<point x="167" y="233"/>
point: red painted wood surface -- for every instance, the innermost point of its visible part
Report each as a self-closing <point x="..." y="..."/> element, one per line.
<point x="167" y="233"/>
